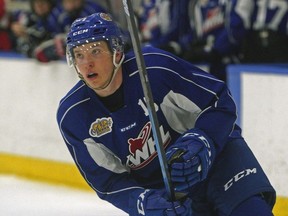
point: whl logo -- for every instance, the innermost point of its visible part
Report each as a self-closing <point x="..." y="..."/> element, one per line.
<point x="142" y="148"/>
<point x="138" y="143"/>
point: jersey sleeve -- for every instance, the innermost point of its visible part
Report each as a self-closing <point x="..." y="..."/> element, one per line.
<point x="217" y="114"/>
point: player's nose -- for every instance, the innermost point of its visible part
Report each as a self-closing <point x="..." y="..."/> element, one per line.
<point x="89" y="63"/>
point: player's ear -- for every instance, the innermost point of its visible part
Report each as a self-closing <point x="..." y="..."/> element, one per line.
<point x="118" y="56"/>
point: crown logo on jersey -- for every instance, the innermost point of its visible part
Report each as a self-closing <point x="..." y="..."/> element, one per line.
<point x="101" y="127"/>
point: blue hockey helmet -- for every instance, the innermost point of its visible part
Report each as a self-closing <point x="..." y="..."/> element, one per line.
<point x="96" y="27"/>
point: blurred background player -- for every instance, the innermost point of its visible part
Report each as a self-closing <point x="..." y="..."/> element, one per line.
<point x="162" y="23"/>
<point x="194" y="30"/>
<point x="30" y="28"/>
<point x="260" y="27"/>
<point x="60" y="21"/>
<point x="210" y="41"/>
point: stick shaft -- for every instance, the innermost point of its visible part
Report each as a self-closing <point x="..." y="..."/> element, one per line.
<point x="148" y="96"/>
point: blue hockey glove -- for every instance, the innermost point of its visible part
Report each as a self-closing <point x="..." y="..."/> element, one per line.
<point x="190" y="159"/>
<point x="154" y="202"/>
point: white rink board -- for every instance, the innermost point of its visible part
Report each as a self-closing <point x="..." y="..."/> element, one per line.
<point x="265" y="123"/>
<point x="30" y="93"/>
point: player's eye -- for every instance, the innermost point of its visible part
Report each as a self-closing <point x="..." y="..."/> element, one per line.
<point x="79" y="56"/>
<point x="96" y="52"/>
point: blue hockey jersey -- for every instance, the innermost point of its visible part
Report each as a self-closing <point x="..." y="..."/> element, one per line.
<point x="258" y="15"/>
<point x="208" y="22"/>
<point x="261" y="28"/>
<point x="115" y="151"/>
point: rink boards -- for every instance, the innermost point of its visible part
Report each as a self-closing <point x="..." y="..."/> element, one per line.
<point x="31" y="144"/>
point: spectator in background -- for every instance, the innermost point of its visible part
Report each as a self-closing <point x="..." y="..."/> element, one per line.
<point x="5" y="42"/>
<point x="261" y="28"/>
<point x="30" y="28"/>
<point x="209" y="37"/>
<point x="60" y="21"/>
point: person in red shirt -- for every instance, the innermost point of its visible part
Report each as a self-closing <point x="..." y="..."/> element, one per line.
<point x="5" y="42"/>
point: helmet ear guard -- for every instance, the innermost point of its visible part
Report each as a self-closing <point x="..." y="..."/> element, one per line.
<point x="96" y="27"/>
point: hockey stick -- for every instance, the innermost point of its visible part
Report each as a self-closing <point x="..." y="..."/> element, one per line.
<point x="148" y="96"/>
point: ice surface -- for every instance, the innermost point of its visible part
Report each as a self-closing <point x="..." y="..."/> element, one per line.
<point x="21" y="197"/>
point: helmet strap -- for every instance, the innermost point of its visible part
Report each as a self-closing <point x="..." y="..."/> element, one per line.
<point x="115" y="70"/>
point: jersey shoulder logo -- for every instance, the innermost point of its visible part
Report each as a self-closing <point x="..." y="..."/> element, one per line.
<point x="101" y="127"/>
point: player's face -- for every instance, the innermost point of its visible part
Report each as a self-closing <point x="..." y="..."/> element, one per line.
<point x="71" y="5"/>
<point x="42" y="7"/>
<point x="94" y="62"/>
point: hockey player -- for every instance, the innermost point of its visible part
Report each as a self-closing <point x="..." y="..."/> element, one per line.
<point x="105" y="124"/>
<point x="162" y="23"/>
<point x="260" y="27"/>
<point x="210" y="40"/>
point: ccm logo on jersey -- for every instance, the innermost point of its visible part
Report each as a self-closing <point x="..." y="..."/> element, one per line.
<point x="101" y="127"/>
<point x="142" y="148"/>
<point x="239" y="176"/>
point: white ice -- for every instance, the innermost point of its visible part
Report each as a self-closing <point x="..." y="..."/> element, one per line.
<point x="21" y="197"/>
